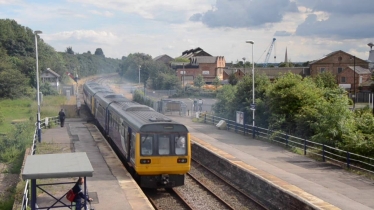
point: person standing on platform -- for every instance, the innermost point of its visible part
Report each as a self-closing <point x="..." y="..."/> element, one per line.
<point x="61" y="116"/>
<point x="79" y="195"/>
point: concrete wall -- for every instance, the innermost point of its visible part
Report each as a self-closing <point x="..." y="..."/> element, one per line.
<point x="270" y="195"/>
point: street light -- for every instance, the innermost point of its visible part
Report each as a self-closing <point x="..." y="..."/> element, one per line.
<point x="37" y="85"/>
<point x="253" y="89"/>
<point x="354" y="82"/>
<point x="139" y="73"/>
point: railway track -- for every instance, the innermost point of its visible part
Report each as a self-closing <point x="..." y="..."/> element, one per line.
<point x="230" y="196"/>
<point x="166" y="199"/>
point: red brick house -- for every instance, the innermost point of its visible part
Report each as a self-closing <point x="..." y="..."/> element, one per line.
<point x="355" y="77"/>
<point x="336" y="62"/>
<point x="209" y="67"/>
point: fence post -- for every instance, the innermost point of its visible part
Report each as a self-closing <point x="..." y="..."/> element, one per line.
<point x="213" y="119"/>
<point x="348" y="159"/>
<point x="304" y="146"/>
<point x="205" y="119"/>
<point x="287" y="140"/>
<point x="253" y="132"/>
<point x="236" y="127"/>
<point x="228" y="126"/>
<point x="244" y="129"/>
<point x="323" y="153"/>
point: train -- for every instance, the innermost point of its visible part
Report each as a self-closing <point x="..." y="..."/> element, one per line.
<point x="156" y="149"/>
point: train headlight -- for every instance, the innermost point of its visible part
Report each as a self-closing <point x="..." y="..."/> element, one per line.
<point x="145" y="161"/>
<point x="182" y="160"/>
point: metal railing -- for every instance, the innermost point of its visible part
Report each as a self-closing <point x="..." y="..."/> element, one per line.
<point x="43" y="124"/>
<point x="323" y="152"/>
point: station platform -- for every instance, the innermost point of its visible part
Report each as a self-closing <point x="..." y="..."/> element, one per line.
<point x="111" y="186"/>
<point x="324" y="184"/>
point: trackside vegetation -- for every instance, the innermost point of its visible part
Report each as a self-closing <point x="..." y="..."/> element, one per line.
<point x="312" y="108"/>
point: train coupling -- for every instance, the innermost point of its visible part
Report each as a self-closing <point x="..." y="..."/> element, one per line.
<point x="165" y="179"/>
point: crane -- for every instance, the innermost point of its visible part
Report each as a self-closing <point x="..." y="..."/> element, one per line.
<point x="269" y="52"/>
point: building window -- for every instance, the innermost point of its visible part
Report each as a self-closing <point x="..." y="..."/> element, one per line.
<point x="340" y="69"/>
<point x="322" y="69"/>
<point x="342" y="79"/>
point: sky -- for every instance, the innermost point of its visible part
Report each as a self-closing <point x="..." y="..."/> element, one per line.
<point x="308" y="29"/>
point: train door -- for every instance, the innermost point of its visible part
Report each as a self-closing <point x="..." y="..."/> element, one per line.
<point x="108" y="116"/>
<point x="93" y="105"/>
<point x="128" y="144"/>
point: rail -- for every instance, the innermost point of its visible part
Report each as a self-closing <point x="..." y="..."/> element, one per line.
<point x="44" y="123"/>
<point x="323" y="152"/>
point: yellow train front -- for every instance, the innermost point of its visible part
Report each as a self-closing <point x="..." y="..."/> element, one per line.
<point x="157" y="149"/>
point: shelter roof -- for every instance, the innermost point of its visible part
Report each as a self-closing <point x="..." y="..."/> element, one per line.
<point x="57" y="166"/>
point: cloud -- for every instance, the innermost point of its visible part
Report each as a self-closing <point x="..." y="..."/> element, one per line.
<point x="338" y="26"/>
<point x="244" y="13"/>
<point x="159" y="10"/>
<point x="282" y="33"/>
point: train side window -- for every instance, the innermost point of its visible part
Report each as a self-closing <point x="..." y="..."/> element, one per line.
<point x="146" y="145"/>
<point x="163" y="144"/>
<point x="180" y="145"/>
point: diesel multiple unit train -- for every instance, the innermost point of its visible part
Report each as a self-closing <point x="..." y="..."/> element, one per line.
<point x="157" y="149"/>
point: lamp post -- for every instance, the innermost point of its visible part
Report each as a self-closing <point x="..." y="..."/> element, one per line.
<point x="37" y="85"/>
<point x="354" y="82"/>
<point x="253" y="89"/>
<point x="139" y="73"/>
<point x="183" y="73"/>
<point x="244" y="64"/>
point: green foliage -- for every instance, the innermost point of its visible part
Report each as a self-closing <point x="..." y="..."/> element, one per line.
<point x="47" y="89"/>
<point x="326" y="80"/>
<point x="69" y="50"/>
<point x="6" y="204"/>
<point x="224" y="106"/>
<point x="99" y="52"/>
<point x="14" y="144"/>
<point x="216" y="82"/>
<point x="182" y="60"/>
<point x="199" y="82"/>
<point x="13" y="84"/>
<point x="18" y="57"/>
<point x="233" y="80"/>
<point x="138" y="97"/>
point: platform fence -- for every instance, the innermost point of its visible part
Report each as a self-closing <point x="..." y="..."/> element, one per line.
<point x="317" y="150"/>
<point x="44" y="123"/>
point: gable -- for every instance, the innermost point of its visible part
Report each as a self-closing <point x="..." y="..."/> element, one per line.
<point x="337" y="57"/>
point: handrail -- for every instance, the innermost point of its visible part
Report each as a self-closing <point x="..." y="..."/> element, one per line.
<point x="341" y="157"/>
<point x="43" y="124"/>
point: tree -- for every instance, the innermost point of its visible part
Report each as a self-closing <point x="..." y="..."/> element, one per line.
<point x="99" y="52"/>
<point x="199" y="82"/>
<point x="69" y="50"/>
<point x="225" y="99"/>
<point x="326" y="80"/>
<point x="13" y="84"/>
<point x="47" y="89"/>
<point x="233" y="79"/>
<point x="216" y="82"/>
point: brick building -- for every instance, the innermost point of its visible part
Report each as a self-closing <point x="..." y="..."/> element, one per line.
<point x="164" y="59"/>
<point x="339" y="61"/>
<point x="209" y="67"/>
<point x="357" y="77"/>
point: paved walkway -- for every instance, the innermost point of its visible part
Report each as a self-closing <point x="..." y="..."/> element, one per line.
<point x="111" y="186"/>
<point x="328" y="182"/>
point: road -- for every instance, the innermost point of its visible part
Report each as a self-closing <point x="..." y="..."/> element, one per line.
<point x="157" y="95"/>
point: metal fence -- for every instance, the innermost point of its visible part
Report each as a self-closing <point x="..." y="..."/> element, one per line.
<point x="44" y="123"/>
<point x="323" y="152"/>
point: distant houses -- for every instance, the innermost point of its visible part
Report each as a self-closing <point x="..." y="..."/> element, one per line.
<point x="351" y="73"/>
